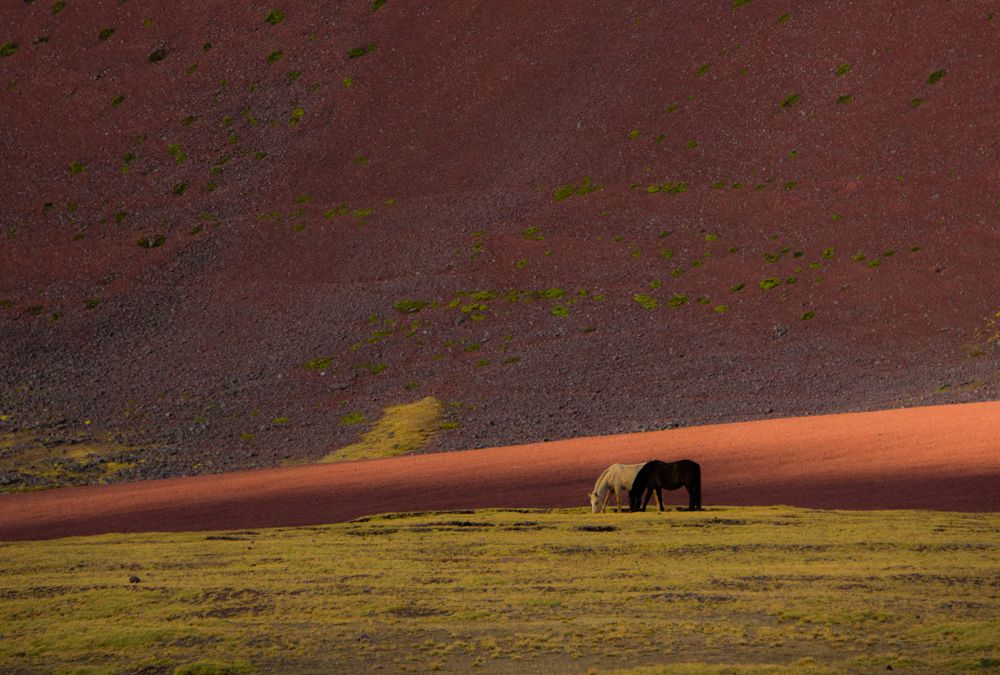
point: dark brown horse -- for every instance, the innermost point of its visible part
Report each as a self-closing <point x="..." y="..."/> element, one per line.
<point x="657" y="475"/>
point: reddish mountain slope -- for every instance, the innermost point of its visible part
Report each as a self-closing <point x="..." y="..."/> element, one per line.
<point x="939" y="457"/>
<point x="559" y="221"/>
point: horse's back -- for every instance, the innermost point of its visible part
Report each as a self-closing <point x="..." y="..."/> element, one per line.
<point x="689" y="467"/>
<point x="671" y="475"/>
<point x="686" y="470"/>
<point x="624" y="474"/>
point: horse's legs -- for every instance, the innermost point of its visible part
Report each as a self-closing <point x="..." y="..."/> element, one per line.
<point x="694" y="498"/>
<point x="649" y="493"/>
<point x="634" y="497"/>
<point x="694" y="493"/>
<point x="659" y="499"/>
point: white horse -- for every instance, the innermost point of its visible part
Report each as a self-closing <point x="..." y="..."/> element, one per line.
<point x="616" y="478"/>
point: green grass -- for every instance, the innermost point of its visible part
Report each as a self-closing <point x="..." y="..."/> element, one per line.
<point x="790" y="100"/>
<point x="645" y="301"/>
<point x="411" y="306"/>
<point x="321" y="363"/>
<point x="352" y="418"/>
<point x="153" y="241"/>
<point x="725" y="590"/>
<point x="358" y="52"/>
<point x="585" y="187"/>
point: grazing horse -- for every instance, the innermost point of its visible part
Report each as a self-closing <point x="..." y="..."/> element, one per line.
<point x="616" y="478"/>
<point x="657" y="475"/>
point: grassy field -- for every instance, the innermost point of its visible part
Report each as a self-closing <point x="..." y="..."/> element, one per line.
<point x="724" y="590"/>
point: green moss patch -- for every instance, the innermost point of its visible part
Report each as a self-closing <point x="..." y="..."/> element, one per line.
<point x="790" y="100"/>
<point x="321" y="363"/>
<point x="39" y="459"/>
<point x="645" y="301"/>
<point x="585" y="187"/>
<point x="152" y="241"/>
<point x="365" y="50"/>
<point x="411" y="306"/>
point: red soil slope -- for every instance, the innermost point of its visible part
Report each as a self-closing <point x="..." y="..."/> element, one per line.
<point x="942" y="457"/>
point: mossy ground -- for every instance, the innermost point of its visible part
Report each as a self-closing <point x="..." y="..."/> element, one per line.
<point x="724" y="590"/>
<point x="58" y="459"/>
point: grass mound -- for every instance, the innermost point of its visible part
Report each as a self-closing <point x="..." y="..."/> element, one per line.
<point x="402" y="429"/>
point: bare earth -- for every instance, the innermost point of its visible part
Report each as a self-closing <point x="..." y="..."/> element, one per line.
<point x="940" y="457"/>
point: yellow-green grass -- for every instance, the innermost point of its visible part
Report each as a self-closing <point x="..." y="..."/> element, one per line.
<point x="401" y="429"/>
<point x="724" y="590"/>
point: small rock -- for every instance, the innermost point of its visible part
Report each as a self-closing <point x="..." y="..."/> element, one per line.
<point x="134" y="579"/>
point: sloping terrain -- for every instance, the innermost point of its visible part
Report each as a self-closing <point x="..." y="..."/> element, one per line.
<point x="941" y="457"/>
<point x="231" y="235"/>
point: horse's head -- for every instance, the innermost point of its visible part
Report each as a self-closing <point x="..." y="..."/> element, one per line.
<point x="595" y="502"/>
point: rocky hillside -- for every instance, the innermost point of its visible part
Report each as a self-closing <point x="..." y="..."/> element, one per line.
<point x="235" y="234"/>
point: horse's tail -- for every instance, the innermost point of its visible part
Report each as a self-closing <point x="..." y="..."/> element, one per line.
<point x="694" y="487"/>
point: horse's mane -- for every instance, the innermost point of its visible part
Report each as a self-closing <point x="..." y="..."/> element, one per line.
<point x="600" y="479"/>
